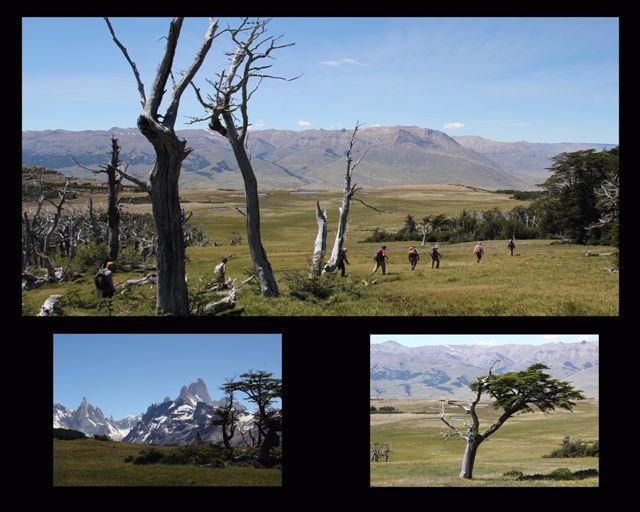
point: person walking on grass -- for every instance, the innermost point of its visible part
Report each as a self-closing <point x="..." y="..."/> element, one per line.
<point x="435" y="256"/>
<point x="413" y="257"/>
<point x="104" y="280"/>
<point x="379" y="259"/>
<point x="478" y="250"/>
<point x="341" y="261"/>
<point x="511" y="245"/>
<point x="219" y="273"/>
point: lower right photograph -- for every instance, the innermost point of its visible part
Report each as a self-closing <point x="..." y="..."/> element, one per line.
<point x="484" y="410"/>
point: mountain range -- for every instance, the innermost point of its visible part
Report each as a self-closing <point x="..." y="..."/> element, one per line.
<point x="176" y="421"/>
<point x="311" y="159"/>
<point x="443" y="371"/>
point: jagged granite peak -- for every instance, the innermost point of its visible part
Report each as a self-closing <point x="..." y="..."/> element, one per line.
<point x="167" y="399"/>
<point x="181" y="420"/>
<point x="91" y="420"/>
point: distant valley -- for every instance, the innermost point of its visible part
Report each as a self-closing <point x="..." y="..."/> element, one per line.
<point x="443" y="371"/>
<point x="312" y="159"/>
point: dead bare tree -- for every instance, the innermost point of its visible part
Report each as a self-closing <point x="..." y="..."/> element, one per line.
<point x="47" y="238"/>
<point x="252" y="46"/>
<point x="320" y="245"/>
<point x="171" y="292"/>
<point x="347" y="196"/>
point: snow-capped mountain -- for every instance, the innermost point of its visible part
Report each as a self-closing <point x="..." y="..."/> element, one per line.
<point x="180" y="421"/>
<point x="91" y="420"/>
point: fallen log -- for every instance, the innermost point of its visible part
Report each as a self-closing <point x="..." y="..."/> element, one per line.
<point x="589" y="253"/>
<point x="148" y="279"/>
<point x="51" y="306"/>
<point x="229" y="302"/>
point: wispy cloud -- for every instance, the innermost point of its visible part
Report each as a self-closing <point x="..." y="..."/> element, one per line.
<point x="486" y="343"/>
<point x="550" y="337"/>
<point x="257" y="125"/>
<point x="336" y="126"/>
<point x="302" y="122"/>
<point x="342" y="62"/>
<point x="453" y="126"/>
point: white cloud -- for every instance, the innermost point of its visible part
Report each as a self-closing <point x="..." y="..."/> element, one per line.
<point x="453" y="126"/>
<point x="550" y="337"/>
<point x="342" y="62"/>
<point x="486" y="343"/>
<point x="302" y="122"/>
<point x="257" y="125"/>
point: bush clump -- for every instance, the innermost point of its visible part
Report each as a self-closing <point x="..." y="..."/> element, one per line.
<point x="562" y="474"/>
<point x="575" y="448"/>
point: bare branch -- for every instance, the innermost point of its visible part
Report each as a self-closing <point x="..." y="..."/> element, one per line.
<point x="143" y="99"/>
<point x="369" y="206"/>
<point x="86" y="168"/>
<point x="172" y="111"/>
<point x="144" y="186"/>
<point x="446" y="422"/>
<point x="160" y="82"/>
<point x="361" y="157"/>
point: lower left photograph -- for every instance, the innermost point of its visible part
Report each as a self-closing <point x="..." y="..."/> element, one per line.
<point x="167" y="409"/>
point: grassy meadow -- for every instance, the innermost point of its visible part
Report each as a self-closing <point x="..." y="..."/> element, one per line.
<point x="421" y="457"/>
<point x="101" y="463"/>
<point x="541" y="279"/>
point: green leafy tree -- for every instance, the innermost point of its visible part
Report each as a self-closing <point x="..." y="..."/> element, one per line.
<point x="515" y="393"/>
<point x="262" y="389"/>
<point x="571" y="201"/>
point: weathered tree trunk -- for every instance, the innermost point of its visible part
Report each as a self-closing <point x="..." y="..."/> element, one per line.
<point x="171" y="292"/>
<point x="271" y="440"/>
<point x="469" y="458"/>
<point x="320" y="245"/>
<point x="261" y="264"/>
<point x="114" y="214"/>
<point x="336" y="253"/>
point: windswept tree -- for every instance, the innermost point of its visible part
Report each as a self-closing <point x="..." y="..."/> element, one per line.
<point x="262" y="389"/>
<point x="226" y="416"/>
<point x="232" y="92"/>
<point x="514" y="393"/>
<point x="162" y="185"/>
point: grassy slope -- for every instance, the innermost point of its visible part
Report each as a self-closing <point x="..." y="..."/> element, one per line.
<point x="542" y="279"/>
<point x="89" y="462"/>
<point x="422" y="457"/>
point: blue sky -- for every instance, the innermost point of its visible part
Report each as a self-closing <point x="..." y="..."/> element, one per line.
<point x="510" y="79"/>
<point x="410" y="340"/>
<point x="125" y="373"/>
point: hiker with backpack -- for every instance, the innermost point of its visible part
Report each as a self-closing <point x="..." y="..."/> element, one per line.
<point x="511" y="245"/>
<point x="219" y="272"/>
<point x="379" y="259"/>
<point x="104" y="280"/>
<point x="413" y="256"/>
<point x="435" y="256"/>
<point x="341" y="261"/>
<point x="478" y="250"/>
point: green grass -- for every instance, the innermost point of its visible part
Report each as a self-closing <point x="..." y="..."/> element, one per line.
<point x="90" y="462"/>
<point x="542" y="279"/>
<point x="421" y="457"/>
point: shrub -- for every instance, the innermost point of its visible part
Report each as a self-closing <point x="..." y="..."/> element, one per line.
<point x="89" y="257"/>
<point x="514" y="473"/>
<point x="68" y="434"/>
<point x="561" y="474"/>
<point x="575" y="448"/>
<point x="149" y="456"/>
<point x="372" y="408"/>
<point x="101" y="438"/>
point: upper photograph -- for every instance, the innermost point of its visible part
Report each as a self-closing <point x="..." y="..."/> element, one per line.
<point x="320" y="166"/>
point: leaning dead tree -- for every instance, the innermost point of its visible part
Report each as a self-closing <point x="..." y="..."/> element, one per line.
<point x="320" y="245"/>
<point x="232" y="93"/>
<point x="347" y="196"/>
<point x="514" y="393"/>
<point x="171" y="292"/>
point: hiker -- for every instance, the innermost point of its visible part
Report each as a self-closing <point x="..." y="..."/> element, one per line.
<point x="413" y="257"/>
<point x="379" y="259"/>
<point x="435" y="256"/>
<point x="511" y="245"/>
<point x="219" y="272"/>
<point x="341" y="261"/>
<point x="104" y="280"/>
<point x="478" y="250"/>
